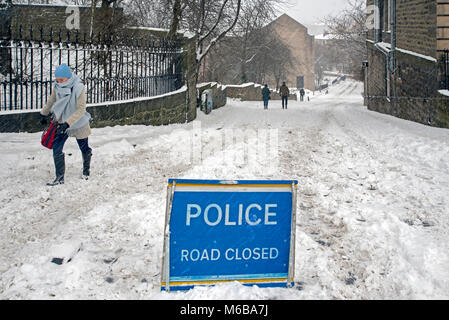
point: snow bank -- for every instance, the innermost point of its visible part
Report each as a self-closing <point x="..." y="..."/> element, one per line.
<point x="371" y="216"/>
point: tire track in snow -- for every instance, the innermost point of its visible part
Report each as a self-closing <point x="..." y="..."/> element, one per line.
<point x="334" y="258"/>
<point x="372" y="266"/>
<point x="319" y="232"/>
<point x="335" y="178"/>
<point x="344" y="87"/>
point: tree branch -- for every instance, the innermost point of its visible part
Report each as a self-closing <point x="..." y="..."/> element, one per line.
<point x="201" y="39"/>
<point x="201" y="54"/>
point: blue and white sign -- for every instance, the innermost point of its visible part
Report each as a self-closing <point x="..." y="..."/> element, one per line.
<point x="218" y="231"/>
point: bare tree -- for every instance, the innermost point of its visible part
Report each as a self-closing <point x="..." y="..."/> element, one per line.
<point x="208" y="21"/>
<point x="280" y="58"/>
<point x="349" y="29"/>
<point x="155" y="13"/>
<point x="176" y="20"/>
<point x="252" y="52"/>
<point x="251" y="39"/>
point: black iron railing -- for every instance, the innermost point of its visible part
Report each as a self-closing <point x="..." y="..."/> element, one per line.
<point x="112" y="67"/>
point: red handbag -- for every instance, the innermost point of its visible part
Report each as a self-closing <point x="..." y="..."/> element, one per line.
<point x="48" y="136"/>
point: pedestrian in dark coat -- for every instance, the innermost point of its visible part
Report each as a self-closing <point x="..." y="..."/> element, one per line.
<point x="284" y="92"/>
<point x="302" y="93"/>
<point x="265" y="96"/>
<point x="67" y="104"/>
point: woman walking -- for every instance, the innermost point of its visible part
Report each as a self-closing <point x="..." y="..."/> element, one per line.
<point x="68" y="106"/>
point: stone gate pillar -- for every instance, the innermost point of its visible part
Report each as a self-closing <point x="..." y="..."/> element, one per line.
<point x="189" y="66"/>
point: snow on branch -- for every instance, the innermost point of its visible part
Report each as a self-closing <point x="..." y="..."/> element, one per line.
<point x="200" y="53"/>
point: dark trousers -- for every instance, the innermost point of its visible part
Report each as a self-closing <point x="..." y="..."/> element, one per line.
<point x="60" y="140"/>
<point x="302" y="98"/>
<point x="284" y="102"/>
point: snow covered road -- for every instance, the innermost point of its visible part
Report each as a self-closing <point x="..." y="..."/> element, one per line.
<point x="372" y="215"/>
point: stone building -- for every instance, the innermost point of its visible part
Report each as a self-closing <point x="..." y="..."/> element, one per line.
<point x="404" y="71"/>
<point x="301" y="72"/>
<point x="249" y="58"/>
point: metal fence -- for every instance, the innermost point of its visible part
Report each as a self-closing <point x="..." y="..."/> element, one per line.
<point x="112" y="67"/>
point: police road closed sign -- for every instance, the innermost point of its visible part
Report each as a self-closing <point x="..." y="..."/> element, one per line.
<point x="220" y="231"/>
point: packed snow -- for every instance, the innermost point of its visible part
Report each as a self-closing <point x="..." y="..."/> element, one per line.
<point x="372" y="211"/>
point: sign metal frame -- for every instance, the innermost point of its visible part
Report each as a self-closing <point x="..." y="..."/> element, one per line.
<point x="225" y="186"/>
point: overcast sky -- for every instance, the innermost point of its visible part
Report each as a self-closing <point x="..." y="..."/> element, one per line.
<point x="311" y="11"/>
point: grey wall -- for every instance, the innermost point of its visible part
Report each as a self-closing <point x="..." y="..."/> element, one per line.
<point x="163" y="110"/>
<point x="150" y="111"/>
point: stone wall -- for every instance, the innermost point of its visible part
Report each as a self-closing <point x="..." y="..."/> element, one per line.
<point x="414" y="85"/>
<point x="442" y="25"/>
<point x="251" y="92"/>
<point x="415" y="79"/>
<point x="219" y="93"/>
<point x="416" y="25"/>
<point x="441" y="111"/>
<point x="245" y="92"/>
<point x="155" y="111"/>
<point x="160" y="110"/>
<point x="412" y="92"/>
<point x="376" y="81"/>
<point x="54" y="17"/>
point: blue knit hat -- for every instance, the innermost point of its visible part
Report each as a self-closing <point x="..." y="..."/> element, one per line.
<point x="63" y="71"/>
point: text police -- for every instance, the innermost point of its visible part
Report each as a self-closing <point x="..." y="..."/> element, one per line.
<point x="214" y="214"/>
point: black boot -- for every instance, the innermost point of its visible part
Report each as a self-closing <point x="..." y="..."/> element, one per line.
<point x="86" y="164"/>
<point x="60" y="170"/>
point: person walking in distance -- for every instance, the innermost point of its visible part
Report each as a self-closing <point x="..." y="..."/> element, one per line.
<point x="302" y="93"/>
<point x="265" y="96"/>
<point x="284" y="92"/>
<point x="67" y="104"/>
